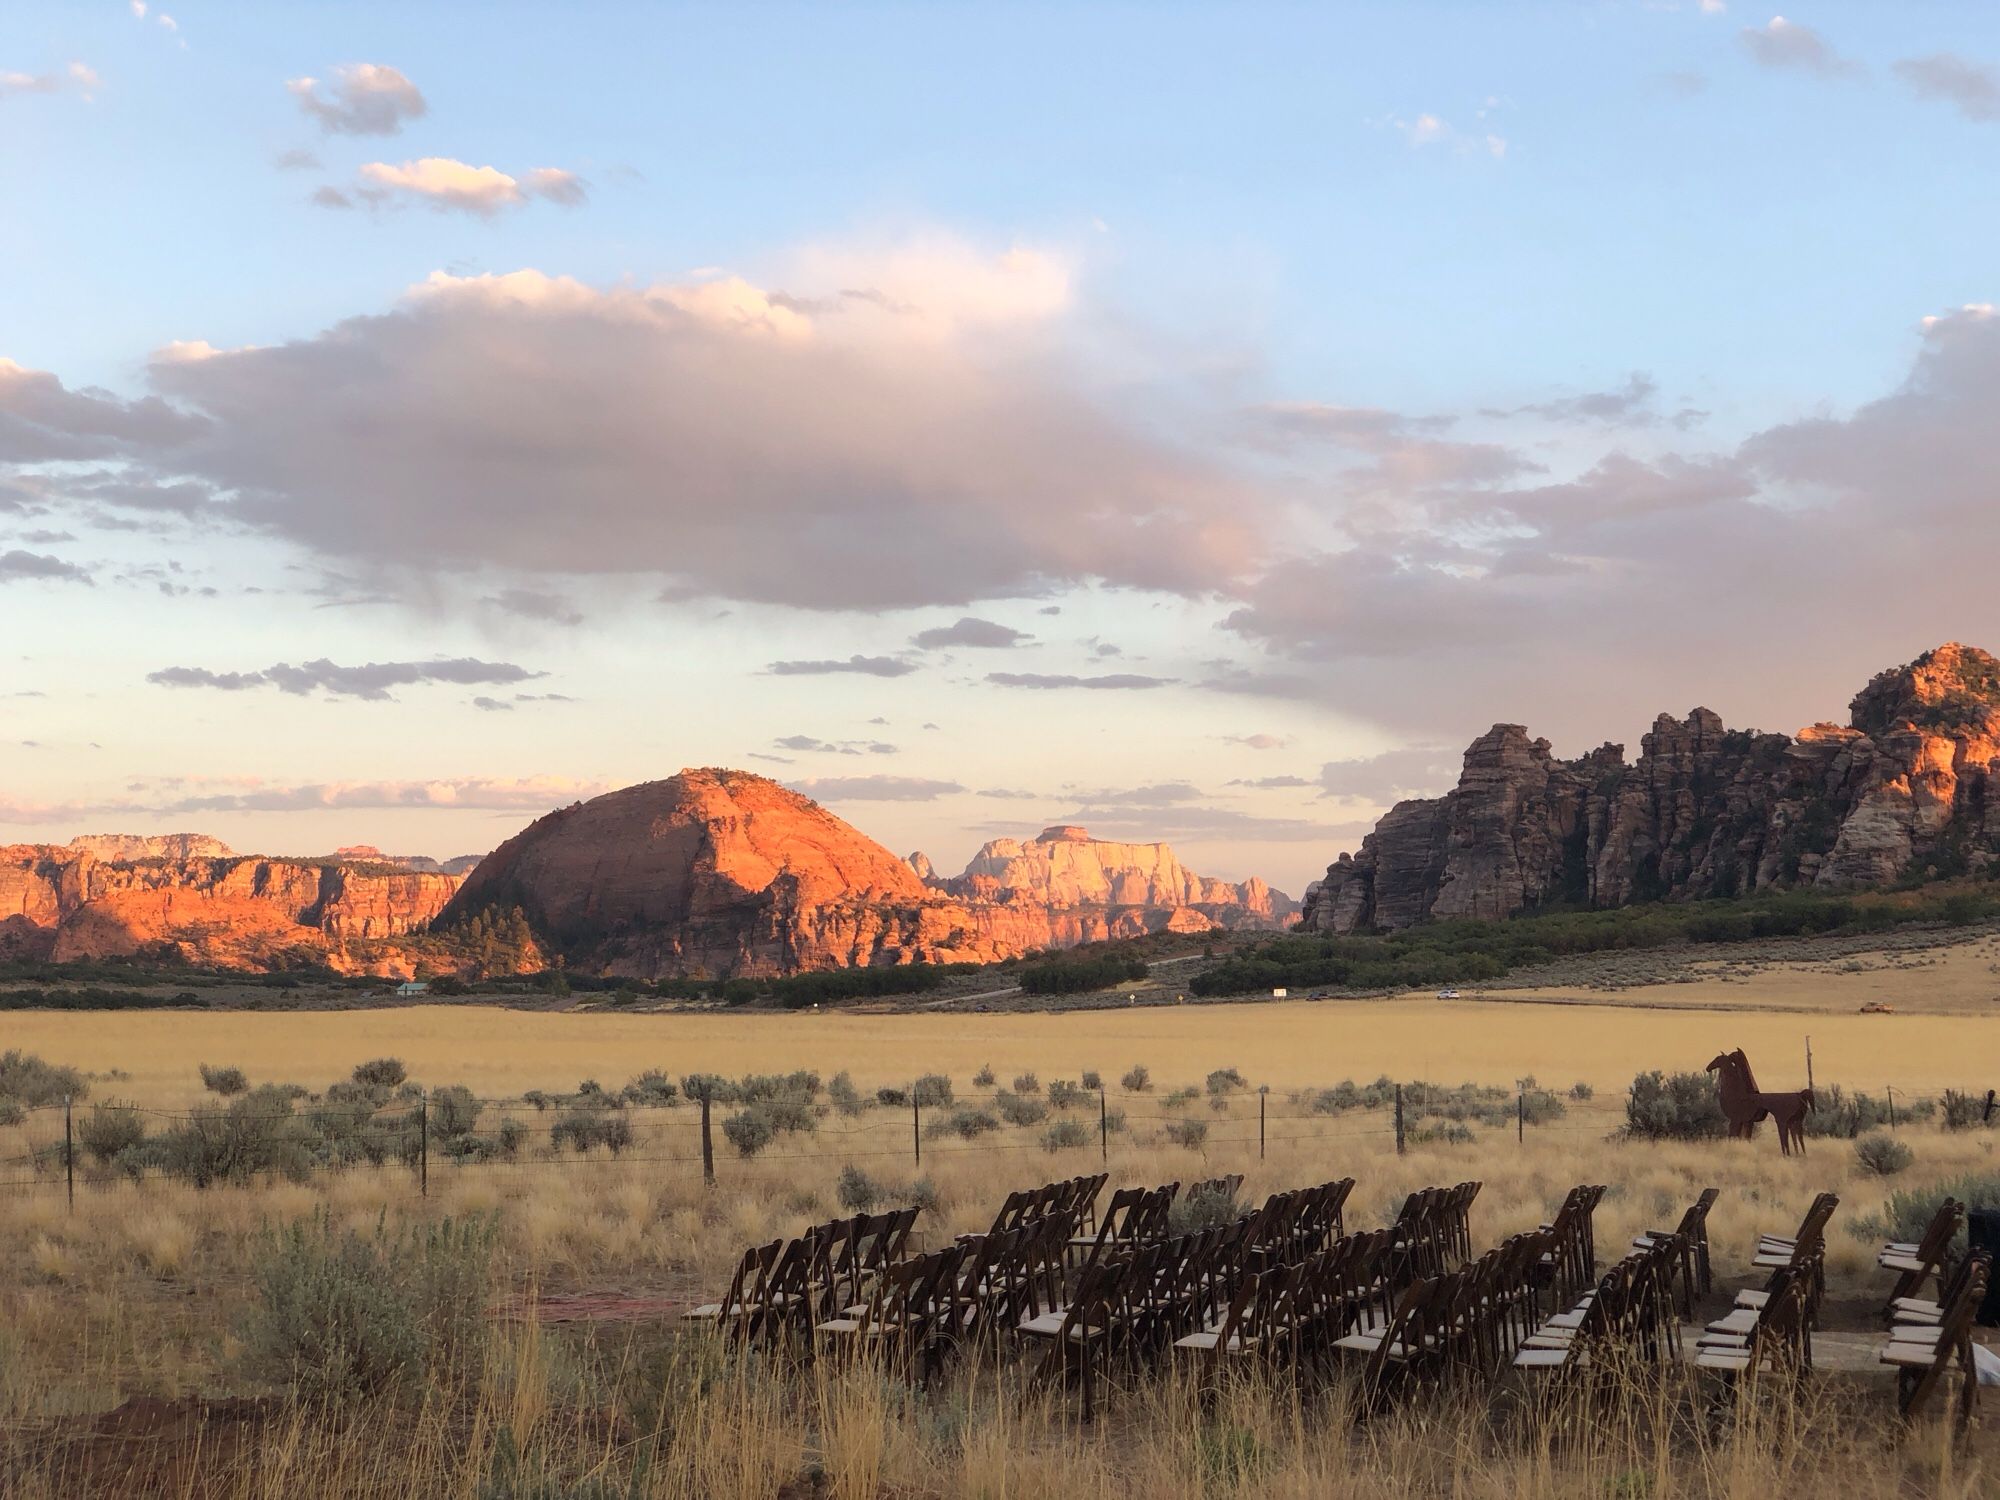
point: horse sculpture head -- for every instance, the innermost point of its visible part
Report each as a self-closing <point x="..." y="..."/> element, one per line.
<point x="1724" y="1060"/>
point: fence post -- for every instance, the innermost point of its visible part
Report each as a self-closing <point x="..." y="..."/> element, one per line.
<point x="707" y="1140"/>
<point x="1521" y="1117"/>
<point x="69" y="1152"/>
<point x="1103" y="1126"/>
<point x="1891" y="1091"/>
<point x="1399" y="1119"/>
<point x="1809" y="1082"/>
<point x="424" y="1144"/>
<point x="1986" y="1118"/>
<point x="916" y="1125"/>
<point x="1262" y="1094"/>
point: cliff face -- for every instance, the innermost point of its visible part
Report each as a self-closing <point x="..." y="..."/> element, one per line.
<point x="1909" y="785"/>
<point x="718" y="873"/>
<point x="226" y="910"/>
<point x="1084" y="890"/>
<point x="723" y="873"/>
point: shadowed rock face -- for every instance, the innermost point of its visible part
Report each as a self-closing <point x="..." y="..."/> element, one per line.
<point x="1908" y="786"/>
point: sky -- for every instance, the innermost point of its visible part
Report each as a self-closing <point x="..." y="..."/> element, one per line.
<point x="1197" y="422"/>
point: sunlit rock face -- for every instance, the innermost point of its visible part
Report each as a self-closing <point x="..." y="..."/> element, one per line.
<point x="1907" y="788"/>
<point x="187" y="898"/>
<point x="1093" y="889"/>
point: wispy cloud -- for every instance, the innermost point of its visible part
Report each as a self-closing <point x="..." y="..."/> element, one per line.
<point x="1779" y="43"/>
<point x="360" y="99"/>
<point x="969" y="631"/>
<point x="868" y="666"/>
<point x="1110" y="681"/>
<point x="370" y="681"/>
<point x="875" y="788"/>
<point x="1969" y="87"/>
<point x="447" y="184"/>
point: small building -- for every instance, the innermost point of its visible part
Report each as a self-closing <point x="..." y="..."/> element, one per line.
<point x="413" y="987"/>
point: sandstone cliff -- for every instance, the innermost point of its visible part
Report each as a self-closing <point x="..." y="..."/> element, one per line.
<point x="1088" y="890"/>
<point x="223" y="910"/>
<point x="1908" y="786"/>
<point x="717" y="873"/>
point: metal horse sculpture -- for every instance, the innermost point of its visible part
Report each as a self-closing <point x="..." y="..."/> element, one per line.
<point x="1745" y="1105"/>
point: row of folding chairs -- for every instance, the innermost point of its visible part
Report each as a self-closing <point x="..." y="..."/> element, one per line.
<point x="1461" y="1321"/>
<point x="1293" y="1313"/>
<point x="1433" y="1230"/>
<point x="1929" y="1339"/>
<point x="787" y="1283"/>
<point x="1629" y="1317"/>
<point x="1076" y="1198"/>
<point x="1304" y="1221"/>
<point x="1693" y="1271"/>
<point x="1927" y="1258"/>
<point x="1133" y="1217"/>
<point x="1803" y="1254"/>
<point x="1569" y="1265"/>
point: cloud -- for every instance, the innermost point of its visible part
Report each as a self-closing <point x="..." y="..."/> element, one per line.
<point x="1010" y="794"/>
<point x="175" y="798"/>
<point x="360" y="99"/>
<point x="1110" y="681"/>
<point x="1969" y="87"/>
<point x="533" y="604"/>
<point x="43" y="421"/>
<point x="1258" y="741"/>
<point x="17" y="565"/>
<point x="1433" y="130"/>
<point x="77" y="77"/>
<point x="330" y="197"/>
<point x="1271" y="783"/>
<point x="1629" y="404"/>
<point x="1405" y="453"/>
<point x="947" y="448"/>
<point x="1159" y="794"/>
<point x="296" y="160"/>
<point x="448" y="184"/>
<point x="371" y="681"/>
<point x="869" y="666"/>
<point x="1786" y="44"/>
<point x="492" y="705"/>
<point x="875" y="788"/>
<point x="970" y="632"/>
<point x="834" y="747"/>
<point x="1391" y="776"/>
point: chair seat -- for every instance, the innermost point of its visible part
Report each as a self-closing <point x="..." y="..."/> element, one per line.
<point x="839" y="1325"/>
<point x="1723" y="1359"/>
<point x="1047" y="1325"/>
<point x="1571" y="1319"/>
<point x="1900" y="1262"/>
<point x="1756" y="1300"/>
<point x="1208" y="1339"/>
<point x="1742" y="1320"/>
<point x="1903" y="1247"/>
<point x="1926" y="1334"/>
<point x="1531" y="1357"/>
<point x="1772" y="1262"/>
<point x="1909" y="1356"/>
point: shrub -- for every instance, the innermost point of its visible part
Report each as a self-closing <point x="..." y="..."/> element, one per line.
<point x="1027" y="1083"/>
<point x="109" y="1131"/>
<point x="32" y="1083"/>
<point x="1069" y="976"/>
<point x="11" y="1111"/>
<point x="1963" y="1111"/>
<point x="454" y="1113"/>
<point x="584" y="1126"/>
<point x="1136" y="1080"/>
<point x="1540" y="1106"/>
<point x="893" y="1098"/>
<point x="1581" y="1092"/>
<point x="1065" y="1134"/>
<point x="1092" y="1080"/>
<point x="1114" y="1120"/>
<point x="651" y="1087"/>
<point x="509" y="1138"/>
<point x="932" y="1091"/>
<point x="1179" y="1099"/>
<point x="227" y="1082"/>
<point x="1681" y="1106"/>
<point x="1203" y="1208"/>
<point x="1908" y="1211"/>
<point x="714" y="1086"/>
<point x="1192" y="1134"/>
<point x="1842" y="1115"/>
<point x="1882" y="1155"/>
<point x="749" y="1132"/>
<point x="256" y="1133"/>
<point x="1066" y="1095"/>
<point x="337" y="1316"/>
<point x="984" y="1078"/>
<point x="382" y="1073"/>
<point x="846" y="1098"/>
<point x="857" y="1191"/>
<point x="1442" y="1133"/>
<point x="1225" y="1081"/>
<point x="1018" y="1111"/>
<point x="965" y="1122"/>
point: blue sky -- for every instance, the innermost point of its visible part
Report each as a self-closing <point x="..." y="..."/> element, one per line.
<point x="1351" y="376"/>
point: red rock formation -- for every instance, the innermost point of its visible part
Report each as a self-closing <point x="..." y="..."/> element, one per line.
<point x="1094" y="889"/>
<point x="231" y="911"/>
<point x="1909" y="788"/>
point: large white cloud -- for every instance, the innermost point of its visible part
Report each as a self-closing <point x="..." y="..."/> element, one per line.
<point x="919" y="437"/>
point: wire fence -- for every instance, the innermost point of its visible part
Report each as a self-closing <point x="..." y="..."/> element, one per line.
<point x="64" y="1146"/>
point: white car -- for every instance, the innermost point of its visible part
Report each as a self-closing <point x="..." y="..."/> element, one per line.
<point x="1447" y="994"/>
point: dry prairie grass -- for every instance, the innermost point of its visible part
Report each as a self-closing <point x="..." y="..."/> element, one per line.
<point x="139" y="1290"/>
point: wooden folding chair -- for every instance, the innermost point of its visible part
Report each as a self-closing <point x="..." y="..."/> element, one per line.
<point x="1924" y="1355"/>
<point x="1693" y="1270"/>
<point x="1926" y="1259"/>
<point x="1079" y="1334"/>
<point x="740" y="1304"/>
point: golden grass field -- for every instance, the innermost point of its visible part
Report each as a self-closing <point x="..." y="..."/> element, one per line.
<point x="1287" y="1044"/>
<point x="140" y="1290"/>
